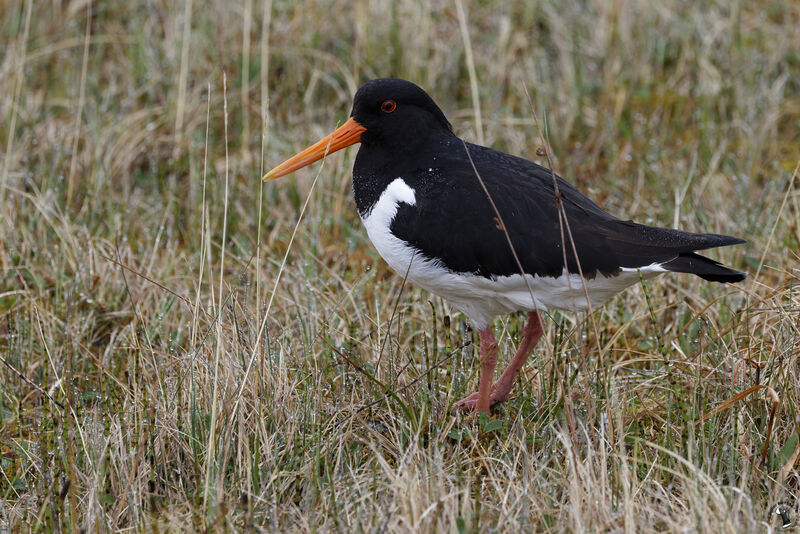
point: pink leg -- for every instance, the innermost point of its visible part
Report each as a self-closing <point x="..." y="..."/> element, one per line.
<point x="531" y="334"/>
<point x="480" y="400"/>
<point x="498" y="392"/>
<point x="489" y="357"/>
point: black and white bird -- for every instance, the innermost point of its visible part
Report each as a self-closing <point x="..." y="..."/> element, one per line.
<point x="481" y="228"/>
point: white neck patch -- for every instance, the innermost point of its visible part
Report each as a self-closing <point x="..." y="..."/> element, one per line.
<point x="386" y="206"/>
<point x="378" y="221"/>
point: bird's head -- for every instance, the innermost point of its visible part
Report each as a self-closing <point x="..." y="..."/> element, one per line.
<point x="388" y="112"/>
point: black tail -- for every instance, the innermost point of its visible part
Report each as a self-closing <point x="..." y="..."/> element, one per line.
<point x="705" y="268"/>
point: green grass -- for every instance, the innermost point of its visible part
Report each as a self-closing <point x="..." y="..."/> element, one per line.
<point x="151" y="382"/>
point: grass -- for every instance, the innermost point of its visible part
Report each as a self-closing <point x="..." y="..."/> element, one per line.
<point x="183" y="350"/>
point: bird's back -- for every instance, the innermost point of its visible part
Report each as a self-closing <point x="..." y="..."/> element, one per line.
<point x="453" y="221"/>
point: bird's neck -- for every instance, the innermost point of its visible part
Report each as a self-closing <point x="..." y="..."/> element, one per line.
<point x="377" y="166"/>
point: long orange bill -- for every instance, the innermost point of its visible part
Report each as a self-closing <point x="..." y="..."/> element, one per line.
<point x="347" y="134"/>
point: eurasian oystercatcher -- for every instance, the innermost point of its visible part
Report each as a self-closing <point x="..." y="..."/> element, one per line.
<point x="490" y="232"/>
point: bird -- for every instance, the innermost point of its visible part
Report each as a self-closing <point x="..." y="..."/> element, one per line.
<point x="490" y="232"/>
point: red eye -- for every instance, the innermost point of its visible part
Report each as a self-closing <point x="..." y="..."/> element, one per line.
<point x="388" y="106"/>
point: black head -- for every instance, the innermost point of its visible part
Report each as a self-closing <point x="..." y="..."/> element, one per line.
<point x="390" y="117"/>
<point x="396" y="112"/>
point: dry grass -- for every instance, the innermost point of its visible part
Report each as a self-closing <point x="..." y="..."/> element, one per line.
<point x="179" y="375"/>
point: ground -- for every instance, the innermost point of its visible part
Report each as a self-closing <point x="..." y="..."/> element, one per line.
<point x="185" y="347"/>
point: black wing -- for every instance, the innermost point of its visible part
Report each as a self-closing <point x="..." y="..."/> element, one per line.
<point x="454" y="222"/>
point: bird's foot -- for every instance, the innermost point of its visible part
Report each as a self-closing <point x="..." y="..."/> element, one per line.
<point x="499" y="393"/>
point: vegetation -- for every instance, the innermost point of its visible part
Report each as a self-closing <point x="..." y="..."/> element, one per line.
<point x="184" y="347"/>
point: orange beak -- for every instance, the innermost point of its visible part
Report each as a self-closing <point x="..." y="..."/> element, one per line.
<point x="347" y="134"/>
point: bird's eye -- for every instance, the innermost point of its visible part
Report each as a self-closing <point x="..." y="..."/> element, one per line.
<point x="388" y="106"/>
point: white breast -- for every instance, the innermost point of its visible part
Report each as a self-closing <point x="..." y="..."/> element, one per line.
<point x="378" y="220"/>
<point x="403" y="258"/>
